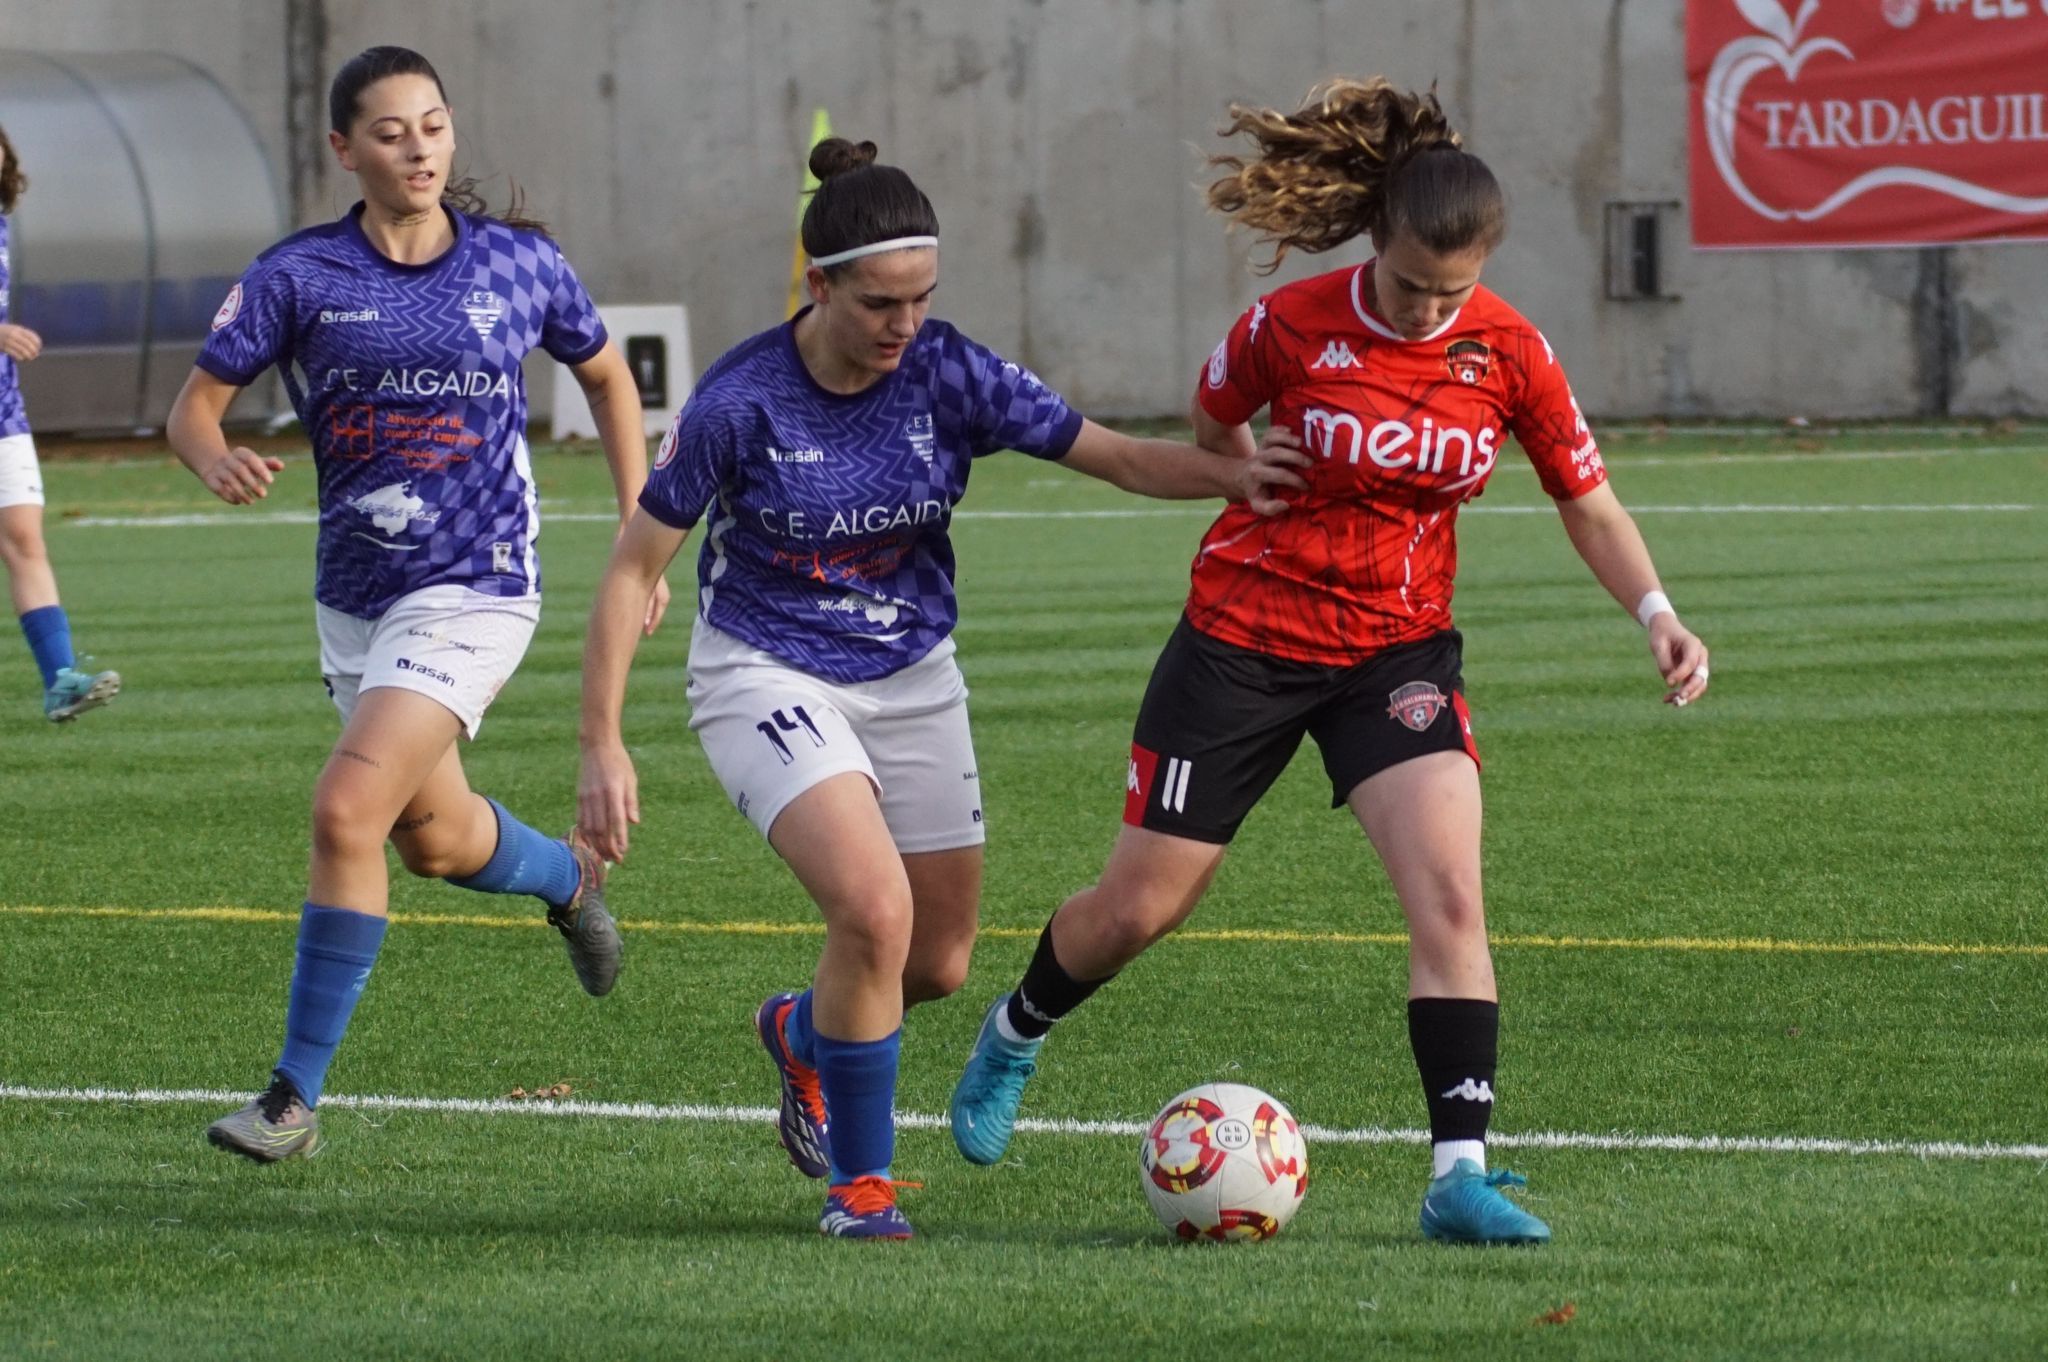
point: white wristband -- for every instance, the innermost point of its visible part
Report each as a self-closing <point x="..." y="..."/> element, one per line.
<point x="1653" y="604"/>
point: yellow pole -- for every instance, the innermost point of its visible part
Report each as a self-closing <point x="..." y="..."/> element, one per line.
<point x="821" y="129"/>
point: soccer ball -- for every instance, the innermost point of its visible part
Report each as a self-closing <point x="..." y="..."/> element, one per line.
<point x="1224" y="1161"/>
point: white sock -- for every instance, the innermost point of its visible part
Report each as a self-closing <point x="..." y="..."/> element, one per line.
<point x="1444" y="1155"/>
<point x="1007" y="1031"/>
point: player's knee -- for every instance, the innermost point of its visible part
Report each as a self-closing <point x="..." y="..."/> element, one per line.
<point x="345" y="823"/>
<point x="1453" y="909"/>
<point x="21" y="543"/>
<point x="937" y="976"/>
<point x="431" y="858"/>
<point x="874" y="927"/>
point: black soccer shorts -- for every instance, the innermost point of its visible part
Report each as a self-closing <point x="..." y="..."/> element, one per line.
<point x="1219" y="724"/>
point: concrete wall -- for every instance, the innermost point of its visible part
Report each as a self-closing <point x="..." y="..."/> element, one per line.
<point x="1061" y="141"/>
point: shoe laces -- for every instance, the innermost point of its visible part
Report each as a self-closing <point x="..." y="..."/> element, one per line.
<point x="1001" y="1071"/>
<point x="870" y="1194"/>
<point x="277" y="1099"/>
<point x="1501" y="1177"/>
<point x="805" y="1081"/>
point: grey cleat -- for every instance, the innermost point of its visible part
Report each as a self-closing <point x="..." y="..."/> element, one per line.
<point x="276" y="1126"/>
<point x="74" y="692"/>
<point x="594" y="945"/>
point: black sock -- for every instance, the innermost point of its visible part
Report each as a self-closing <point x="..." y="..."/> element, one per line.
<point x="1047" y="992"/>
<point x="1456" y="1041"/>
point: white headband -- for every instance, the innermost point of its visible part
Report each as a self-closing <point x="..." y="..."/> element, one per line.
<point x="900" y="243"/>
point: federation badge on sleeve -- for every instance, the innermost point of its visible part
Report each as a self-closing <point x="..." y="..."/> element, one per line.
<point x="230" y="309"/>
<point x="1416" y="704"/>
<point x="1468" y="360"/>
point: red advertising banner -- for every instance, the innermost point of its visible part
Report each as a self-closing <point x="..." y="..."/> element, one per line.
<point x="1867" y="122"/>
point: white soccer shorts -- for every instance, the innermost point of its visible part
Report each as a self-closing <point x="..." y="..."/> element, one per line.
<point x="448" y="643"/>
<point x="21" y="478"/>
<point x="772" y="731"/>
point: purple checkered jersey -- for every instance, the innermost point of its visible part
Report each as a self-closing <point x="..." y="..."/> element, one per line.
<point x="827" y="545"/>
<point x="406" y="379"/>
<point x="13" y="415"/>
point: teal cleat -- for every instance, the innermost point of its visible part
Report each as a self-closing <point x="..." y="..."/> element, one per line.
<point x="985" y="1100"/>
<point x="74" y="692"/>
<point x="1465" y="1206"/>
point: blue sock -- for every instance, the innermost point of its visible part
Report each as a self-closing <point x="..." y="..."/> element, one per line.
<point x="858" y="1078"/>
<point x="336" y="949"/>
<point x="48" y="630"/>
<point x="798" y="1032"/>
<point x="524" y="863"/>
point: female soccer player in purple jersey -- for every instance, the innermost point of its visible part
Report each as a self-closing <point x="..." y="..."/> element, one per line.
<point x="67" y="691"/>
<point x="829" y="453"/>
<point x="399" y="332"/>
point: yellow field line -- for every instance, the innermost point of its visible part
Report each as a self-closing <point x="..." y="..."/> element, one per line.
<point x="1264" y="936"/>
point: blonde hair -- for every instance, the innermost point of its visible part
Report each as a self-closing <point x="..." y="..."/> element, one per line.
<point x="1359" y="157"/>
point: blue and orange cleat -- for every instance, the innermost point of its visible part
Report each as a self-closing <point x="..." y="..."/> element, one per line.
<point x="865" y="1209"/>
<point x="1465" y="1206"/>
<point x="801" y="1123"/>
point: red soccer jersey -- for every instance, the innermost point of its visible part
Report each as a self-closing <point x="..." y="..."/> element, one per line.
<point x="1402" y="433"/>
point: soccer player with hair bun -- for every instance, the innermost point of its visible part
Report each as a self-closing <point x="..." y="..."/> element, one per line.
<point x="827" y="455"/>
<point x="1398" y="381"/>
<point x="399" y="331"/>
<point x="68" y="690"/>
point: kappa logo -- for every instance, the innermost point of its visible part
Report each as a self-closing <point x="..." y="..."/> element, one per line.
<point x="484" y="308"/>
<point x="229" y="309"/>
<point x="1471" y="1091"/>
<point x="1336" y="355"/>
<point x="1416" y="705"/>
<point x="1251" y="331"/>
<point x="1468" y="360"/>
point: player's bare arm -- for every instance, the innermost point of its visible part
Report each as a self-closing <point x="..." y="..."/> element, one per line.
<point x="607" y="792"/>
<point x="1606" y="537"/>
<point x="614" y="398"/>
<point x="236" y="475"/>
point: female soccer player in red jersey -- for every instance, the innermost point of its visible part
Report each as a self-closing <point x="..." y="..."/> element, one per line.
<point x="1400" y="380"/>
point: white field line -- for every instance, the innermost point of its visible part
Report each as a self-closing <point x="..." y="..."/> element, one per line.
<point x="1362" y="1135"/>
<point x="209" y="518"/>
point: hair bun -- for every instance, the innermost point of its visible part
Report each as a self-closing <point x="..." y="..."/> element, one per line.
<point x="836" y="156"/>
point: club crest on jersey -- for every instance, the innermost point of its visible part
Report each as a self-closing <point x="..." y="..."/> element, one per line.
<point x="484" y="308"/>
<point x="923" y="443"/>
<point x="1219" y="364"/>
<point x="1416" y="705"/>
<point x="1468" y="360"/>
<point x="230" y="309"/>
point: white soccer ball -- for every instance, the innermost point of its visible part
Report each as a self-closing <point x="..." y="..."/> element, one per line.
<point x="1224" y="1161"/>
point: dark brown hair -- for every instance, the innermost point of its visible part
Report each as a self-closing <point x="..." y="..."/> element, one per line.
<point x="859" y="202"/>
<point x="344" y="106"/>
<point x="1360" y="157"/>
<point x="12" y="181"/>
